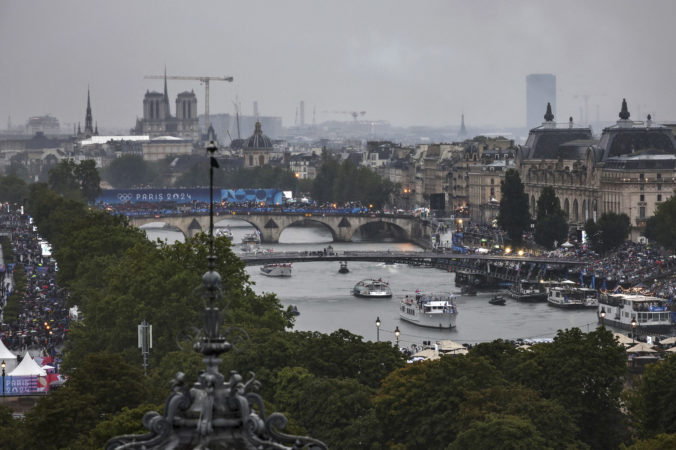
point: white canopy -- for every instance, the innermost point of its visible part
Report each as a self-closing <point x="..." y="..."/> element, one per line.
<point x="668" y="341"/>
<point x="27" y="366"/>
<point x="641" y="347"/>
<point x="623" y="339"/>
<point x="5" y="354"/>
<point x="566" y="245"/>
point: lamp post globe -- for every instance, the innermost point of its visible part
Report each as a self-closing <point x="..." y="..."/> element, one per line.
<point x="377" y="329"/>
<point x="396" y="335"/>
<point x="3" y="365"/>
<point x="634" y="324"/>
<point x="603" y="317"/>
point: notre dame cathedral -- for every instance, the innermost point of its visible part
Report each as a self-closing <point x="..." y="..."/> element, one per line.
<point x="158" y="121"/>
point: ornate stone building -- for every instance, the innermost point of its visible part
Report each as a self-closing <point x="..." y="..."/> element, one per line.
<point x="158" y="121"/>
<point x="631" y="169"/>
<point x="257" y="149"/>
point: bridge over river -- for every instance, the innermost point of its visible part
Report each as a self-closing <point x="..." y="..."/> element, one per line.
<point x="505" y="268"/>
<point x="271" y="224"/>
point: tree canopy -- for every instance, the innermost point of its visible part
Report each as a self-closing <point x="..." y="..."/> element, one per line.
<point x="129" y="171"/>
<point x="75" y="181"/>
<point x="660" y="227"/>
<point x="550" y="223"/>
<point x="609" y="232"/>
<point x="513" y="216"/>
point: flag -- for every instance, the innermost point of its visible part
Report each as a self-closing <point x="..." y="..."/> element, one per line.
<point x="581" y="279"/>
<point x="604" y="287"/>
<point x="593" y="285"/>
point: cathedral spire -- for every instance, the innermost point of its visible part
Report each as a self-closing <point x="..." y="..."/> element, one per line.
<point x="166" y="94"/>
<point x="89" y="128"/>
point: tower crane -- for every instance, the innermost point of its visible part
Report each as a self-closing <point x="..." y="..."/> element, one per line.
<point x="586" y="103"/>
<point x="203" y="80"/>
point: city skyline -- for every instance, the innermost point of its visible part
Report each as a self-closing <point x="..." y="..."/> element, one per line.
<point x="418" y="64"/>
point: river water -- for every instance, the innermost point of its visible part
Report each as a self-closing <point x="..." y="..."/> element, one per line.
<point x="323" y="296"/>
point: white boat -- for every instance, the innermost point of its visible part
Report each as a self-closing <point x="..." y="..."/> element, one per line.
<point x="571" y="296"/>
<point x="224" y="232"/>
<point x="276" y="270"/>
<point x="372" y="289"/>
<point x="251" y="237"/>
<point x="435" y="310"/>
<point x="528" y="291"/>
<point x="651" y="315"/>
<point x="251" y="242"/>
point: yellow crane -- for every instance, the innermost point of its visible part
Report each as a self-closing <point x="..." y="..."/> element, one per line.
<point x="203" y="80"/>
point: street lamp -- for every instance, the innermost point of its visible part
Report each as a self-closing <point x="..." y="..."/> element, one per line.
<point x="634" y="324"/>
<point x="3" y="365"/>
<point x="603" y="317"/>
<point x="396" y="335"/>
<point x="377" y="329"/>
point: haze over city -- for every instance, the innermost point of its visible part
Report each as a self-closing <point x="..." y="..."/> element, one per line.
<point x="409" y="63"/>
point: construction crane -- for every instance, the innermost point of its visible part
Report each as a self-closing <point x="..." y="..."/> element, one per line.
<point x="203" y="80"/>
<point x="586" y="104"/>
<point x="354" y="114"/>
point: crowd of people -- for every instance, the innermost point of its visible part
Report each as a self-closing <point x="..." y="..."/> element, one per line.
<point x="163" y="209"/>
<point x="43" y="317"/>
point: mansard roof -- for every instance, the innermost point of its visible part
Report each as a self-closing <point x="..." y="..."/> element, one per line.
<point x="625" y="139"/>
<point x="544" y="142"/>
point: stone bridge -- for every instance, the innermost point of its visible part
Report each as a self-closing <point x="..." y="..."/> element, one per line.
<point x="271" y="225"/>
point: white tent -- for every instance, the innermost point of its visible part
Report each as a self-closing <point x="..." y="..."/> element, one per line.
<point x="641" y="347"/>
<point x="27" y="366"/>
<point x="8" y="357"/>
<point x="668" y="341"/>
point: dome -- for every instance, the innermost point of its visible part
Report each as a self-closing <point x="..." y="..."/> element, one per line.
<point x="258" y="139"/>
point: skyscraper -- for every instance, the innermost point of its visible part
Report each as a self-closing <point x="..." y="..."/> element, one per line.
<point x="540" y="89"/>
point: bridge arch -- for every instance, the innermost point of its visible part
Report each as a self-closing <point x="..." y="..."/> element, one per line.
<point x="382" y="227"/>
<point x="312" y="220"/>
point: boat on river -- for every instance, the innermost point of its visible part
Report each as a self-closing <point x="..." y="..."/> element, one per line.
<point x="371" y="288"/>
<point x="276" y="270"/>
<point x="251" y="242"/>
<point x="468" y="290"/>
<point x="651" y="315"/>
<point x="251" y="237"/>
<point x="569" y="295"/>
<point x="223" y="232"/>
<point x="528" y="291"/>
<point x="343" y="267"/>
<point x="434" y="310"/>
<point x="497" y="300"/>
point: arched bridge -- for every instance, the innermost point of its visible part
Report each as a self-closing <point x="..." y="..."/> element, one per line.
<point x="271" y="224"/>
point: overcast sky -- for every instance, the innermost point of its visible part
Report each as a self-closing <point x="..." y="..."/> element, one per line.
<point x="411" y="63"/>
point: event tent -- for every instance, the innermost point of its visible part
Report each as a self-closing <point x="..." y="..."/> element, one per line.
<point x="27" y="366"/>
<point x="7" y="356"/>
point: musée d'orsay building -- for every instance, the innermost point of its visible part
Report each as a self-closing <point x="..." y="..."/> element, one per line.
<point x="630" y="169"/>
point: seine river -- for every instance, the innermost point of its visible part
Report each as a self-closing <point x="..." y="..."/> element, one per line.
<point x="323" y="297"/>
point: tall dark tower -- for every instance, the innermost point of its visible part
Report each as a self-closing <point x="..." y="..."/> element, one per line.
<point x="89" y="123"/>
<point x="463" y="131"/>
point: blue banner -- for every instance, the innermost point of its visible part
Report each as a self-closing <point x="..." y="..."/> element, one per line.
<point x="25" y="385"/>
<point x="267" y="196"/>
<point x="150" y="195"/>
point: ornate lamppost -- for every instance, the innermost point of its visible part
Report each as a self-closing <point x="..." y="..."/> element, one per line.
<point x="377" y="329"/>
<point x="603" y="318"/>
<point x="3" y="365"/>
<point x="634" y="324"/>
<point x="396" y="335"/>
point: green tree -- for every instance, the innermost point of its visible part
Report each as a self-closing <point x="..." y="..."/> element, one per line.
<point x="13" y="189"/>
<point x="659" y="442"/>
<point x="513" y="216"/>
<point x="550" y="223"/>
<point x="584" y="373"/>
<point x="129" y="171"/>
<point x="660" y="227"/>
<point x="611" y="230"/>
<point x="593" y="234"/>
<point x="413" y="401"/>
<point x="62" y="180"/>
<point x="653" y="403"/>
<point x="88" y="177"/>
<point x="500" y="432"/>
<point x="100" y="387"/>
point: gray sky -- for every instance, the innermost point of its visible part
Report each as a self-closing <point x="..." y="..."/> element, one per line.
<point x="411" y="63"/>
